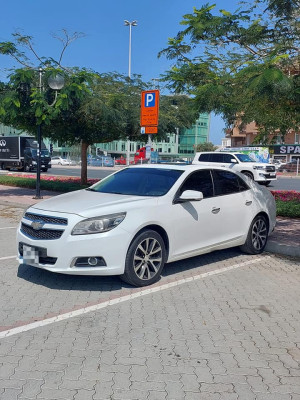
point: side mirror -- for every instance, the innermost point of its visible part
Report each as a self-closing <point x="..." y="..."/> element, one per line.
<point x="189" y="195"/>
<point x="233" y="160"/>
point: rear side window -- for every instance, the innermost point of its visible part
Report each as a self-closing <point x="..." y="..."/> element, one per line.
<point x="216" y="157"/>
<point x="242" y="184"/>
<point x="225" y="182"/>
<point x="200" y="181"/>
<point x="204" y="157"/>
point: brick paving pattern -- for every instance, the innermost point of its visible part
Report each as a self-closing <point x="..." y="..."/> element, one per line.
<point x="228" y="336"/>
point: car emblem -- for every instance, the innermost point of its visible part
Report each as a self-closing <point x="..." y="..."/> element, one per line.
<point x="37" y="225"/>
<point x="2" y="142"/>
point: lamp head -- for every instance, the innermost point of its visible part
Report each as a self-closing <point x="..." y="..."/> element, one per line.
<point x="56" y="82"/>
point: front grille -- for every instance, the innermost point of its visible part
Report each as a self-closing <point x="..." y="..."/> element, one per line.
<point x="42" y="234"/>
<point x="47" y="219"/>
<point x="270" y="168"/>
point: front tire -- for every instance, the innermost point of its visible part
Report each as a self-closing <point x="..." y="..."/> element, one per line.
<point x="257" y="236"/>
<point x="265" y="183"/>
<point x="246" y="173"/>
<point x="145" y="259"/>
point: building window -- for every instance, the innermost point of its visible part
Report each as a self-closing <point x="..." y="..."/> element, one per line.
<point x="297" y="138"/>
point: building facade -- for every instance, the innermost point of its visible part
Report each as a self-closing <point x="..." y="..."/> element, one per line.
<point x="180" y="144"/>
<point x="285" y="149"/>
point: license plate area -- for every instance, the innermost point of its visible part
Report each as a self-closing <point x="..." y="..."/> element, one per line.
<point x="31" y="254"/>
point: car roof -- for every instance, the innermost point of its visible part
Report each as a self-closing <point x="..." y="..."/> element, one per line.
<point x="178" y="167"/>
<point x="219" y="152"/>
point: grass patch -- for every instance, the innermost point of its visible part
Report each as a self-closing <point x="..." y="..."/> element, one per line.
<point x="54" y="185"/>
<point x="289" y="209"/>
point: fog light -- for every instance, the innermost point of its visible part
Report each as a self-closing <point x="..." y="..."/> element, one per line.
<point x="85" y="262"/>
<point x="92" y="261"/>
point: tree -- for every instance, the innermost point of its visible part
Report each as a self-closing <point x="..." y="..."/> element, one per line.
<point x="206" y="147"/>
<point x="243" y="65"/>
<point x="91" y="108"/>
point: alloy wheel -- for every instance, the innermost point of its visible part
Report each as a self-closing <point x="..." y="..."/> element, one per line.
<point x="259" y="234"/>
<point x="147" y="258"/>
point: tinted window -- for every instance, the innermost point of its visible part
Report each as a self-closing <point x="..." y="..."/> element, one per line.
<point x="204" y="157"/>
<point x="200" y="181"/>
<point x="216" y="157"/>
<point x="139" y="182"/>
<point x="242" y="184"/>
<point x="225" y="182"/>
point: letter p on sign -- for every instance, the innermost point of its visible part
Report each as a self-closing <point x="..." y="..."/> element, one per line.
<point x="150" y="100"/>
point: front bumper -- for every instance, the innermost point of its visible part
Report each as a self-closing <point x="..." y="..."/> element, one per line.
<point x="265" y="176"/>
<point x="60" y="255"/>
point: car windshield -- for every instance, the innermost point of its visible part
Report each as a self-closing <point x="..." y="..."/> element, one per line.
<point x="139" y="182"/>
<point x="244" y="158"/>
<point x="43" y="152"/>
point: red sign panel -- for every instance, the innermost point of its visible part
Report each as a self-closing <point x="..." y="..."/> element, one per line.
<point x="149" y="107"/>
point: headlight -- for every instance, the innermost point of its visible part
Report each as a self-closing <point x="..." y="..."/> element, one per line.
<point x="98" y="224"/>
<point x="33" y="162"/>
<point x="258" y="167"/>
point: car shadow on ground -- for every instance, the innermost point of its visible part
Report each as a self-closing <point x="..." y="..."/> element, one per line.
<point x="174" y="270"/>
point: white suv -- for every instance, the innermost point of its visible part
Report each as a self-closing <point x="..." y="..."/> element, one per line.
<point x="239" y="162"/>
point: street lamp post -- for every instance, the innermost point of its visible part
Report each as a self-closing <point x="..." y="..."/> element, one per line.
<point x="130" y="24"/>
<point x="56" y="83"/>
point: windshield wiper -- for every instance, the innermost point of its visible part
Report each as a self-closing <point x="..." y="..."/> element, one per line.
<point x="91" y="190"/>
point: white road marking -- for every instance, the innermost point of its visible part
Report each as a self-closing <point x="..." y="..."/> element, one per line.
<point x="10" y="227"/>
<point x="7" y="258"/>
<point x="122" y="299"/>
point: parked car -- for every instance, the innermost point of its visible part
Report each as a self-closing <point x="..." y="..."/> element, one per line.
<point x="102" y="161"/>
<point x="262" y="173"/>
<point x="289" y="167"/>
<point x="56" y="160"/>
<point x="137" y="219"/>
<point x="120" y="161"/>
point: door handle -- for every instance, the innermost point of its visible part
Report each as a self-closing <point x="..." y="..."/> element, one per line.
<point x="215" y="210"/>
<point x="248" y="202"/>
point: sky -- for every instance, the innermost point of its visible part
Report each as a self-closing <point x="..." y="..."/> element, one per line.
<point x="105" y="44"/>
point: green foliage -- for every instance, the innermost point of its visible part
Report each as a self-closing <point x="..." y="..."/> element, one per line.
<point x="288" y="208"/>
<point x="206" y="147"/>
<point x="30" y="183"/>
<point x="243" y="65"/>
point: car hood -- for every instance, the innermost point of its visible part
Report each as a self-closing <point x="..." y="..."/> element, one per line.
<point x="88" y="203"/>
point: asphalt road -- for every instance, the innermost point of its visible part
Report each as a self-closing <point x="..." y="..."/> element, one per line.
<point x="282" y="183"/>
<point x="218" y="326"/>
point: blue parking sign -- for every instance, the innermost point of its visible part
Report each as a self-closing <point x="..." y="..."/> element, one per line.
<point x="150" y="99"/>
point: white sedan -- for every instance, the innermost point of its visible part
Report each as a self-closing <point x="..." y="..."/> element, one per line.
<point x="59" y="161"/>
<point x="134" y="221"/>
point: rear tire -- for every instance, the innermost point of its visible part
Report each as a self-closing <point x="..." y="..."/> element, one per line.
<point x="145" y="259"/>
<point x="257" y="236"/>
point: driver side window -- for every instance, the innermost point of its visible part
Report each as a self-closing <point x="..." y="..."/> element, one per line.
<point x="200" y="181"/>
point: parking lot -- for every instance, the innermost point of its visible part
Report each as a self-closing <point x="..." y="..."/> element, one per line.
<point x="220" y="326"/>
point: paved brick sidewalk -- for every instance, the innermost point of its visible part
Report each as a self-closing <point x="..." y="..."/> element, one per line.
<point x="231" y="336"/>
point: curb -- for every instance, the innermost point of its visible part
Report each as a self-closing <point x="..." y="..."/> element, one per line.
<point x="282" y="249"/>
